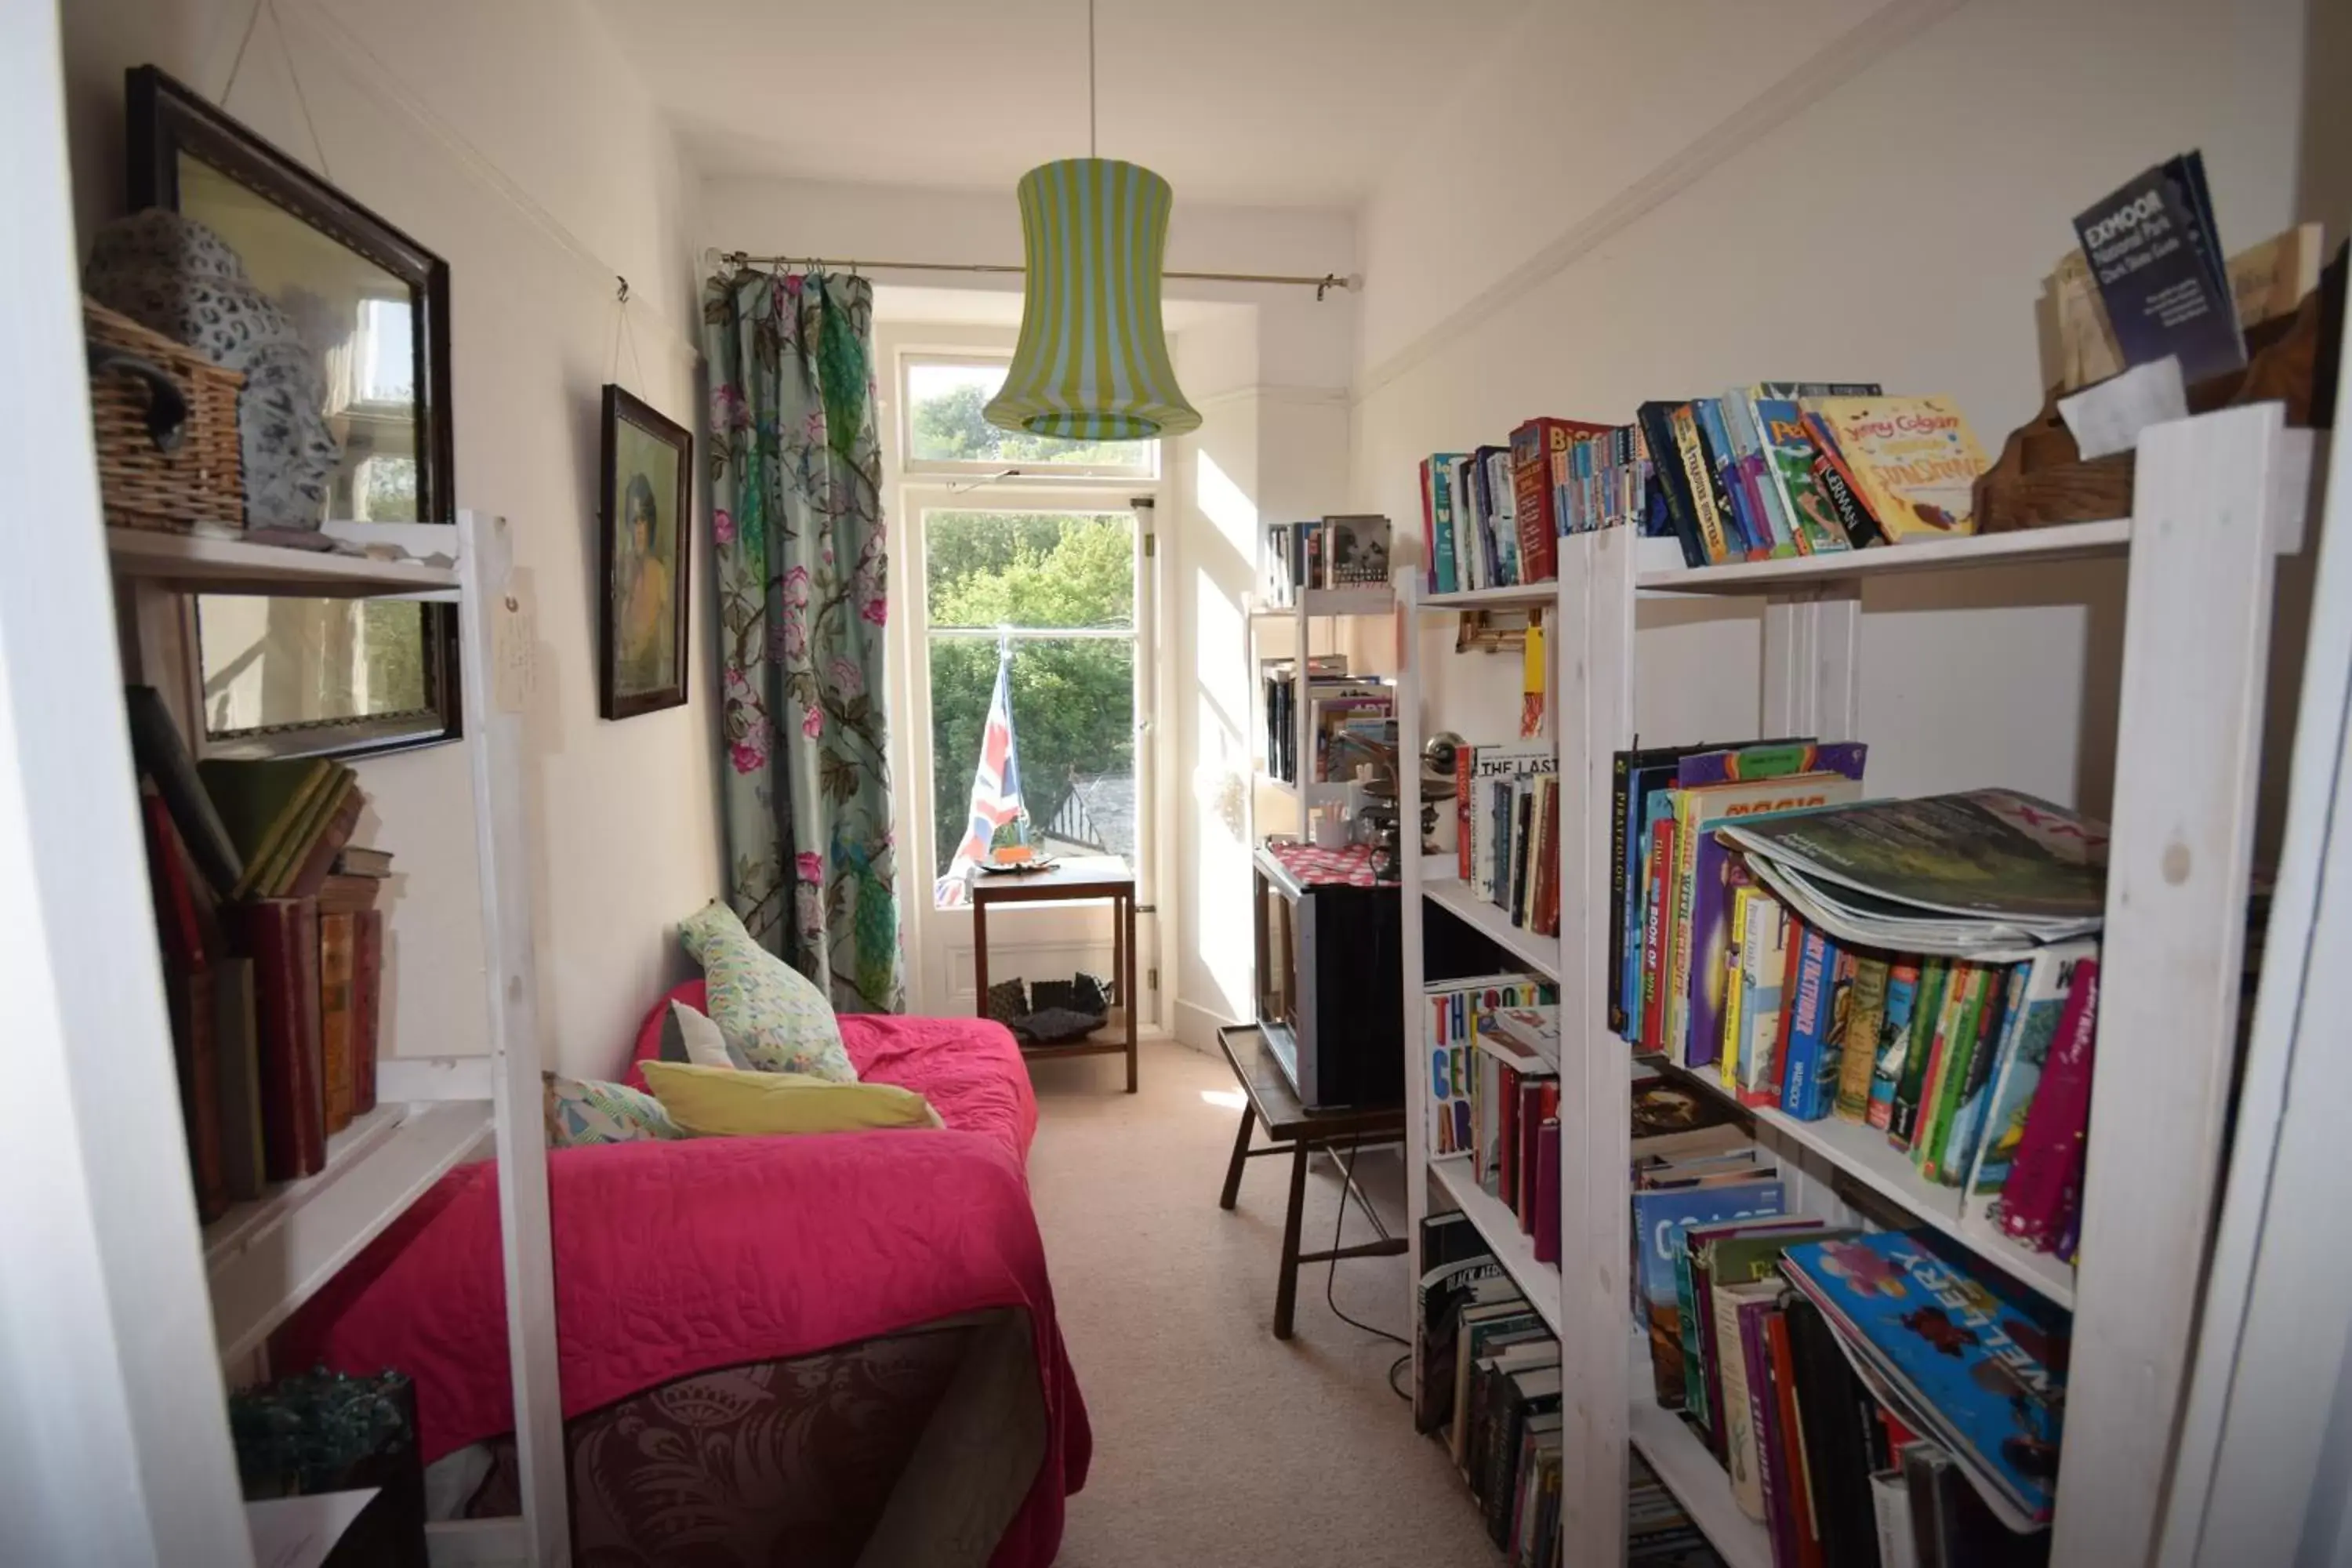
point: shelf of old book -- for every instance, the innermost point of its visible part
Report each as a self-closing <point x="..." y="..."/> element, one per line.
<point x="1661" y="569"/>
<point x="265" y="1258"/>
<point x="1513" y="1248"/>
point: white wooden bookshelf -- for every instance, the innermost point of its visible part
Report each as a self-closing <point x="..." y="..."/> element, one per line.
<point x="2221" y="498"/>
<point x="1539" y="955"/>
<point x="1499" y="1227"/>
<point x="1310" y="610"/>
<point x="263" y="1259"/>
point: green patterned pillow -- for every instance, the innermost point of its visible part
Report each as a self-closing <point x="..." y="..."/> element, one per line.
<point x="584" y="1112"/>
<point x="767" y="1009"/>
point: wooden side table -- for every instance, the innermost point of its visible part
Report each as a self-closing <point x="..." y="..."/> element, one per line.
<point x="1071" y="881"/>
<point x="1269" y="1101"/>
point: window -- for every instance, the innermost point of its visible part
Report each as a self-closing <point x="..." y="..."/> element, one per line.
<point x="1057" y="590"/>
<point x="946" y="433"/>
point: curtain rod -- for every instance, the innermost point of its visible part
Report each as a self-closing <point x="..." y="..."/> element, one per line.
<point x="1323" y="285"/>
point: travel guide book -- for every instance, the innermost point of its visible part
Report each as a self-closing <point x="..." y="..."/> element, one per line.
<point x="2156" y="252"/>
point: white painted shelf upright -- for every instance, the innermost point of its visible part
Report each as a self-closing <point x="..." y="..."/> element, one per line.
<point x="2221" y="498"/>
<point x="263" y="1259"/>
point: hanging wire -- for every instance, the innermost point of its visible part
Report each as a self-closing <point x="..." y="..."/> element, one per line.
<point x="620" y="329"/>
<point x="293" y="74"/>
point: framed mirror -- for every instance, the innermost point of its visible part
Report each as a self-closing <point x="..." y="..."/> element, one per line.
<point x="318" y="677"/>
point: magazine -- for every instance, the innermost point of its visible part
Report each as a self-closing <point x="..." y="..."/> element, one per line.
<point x="1986" y="854"/>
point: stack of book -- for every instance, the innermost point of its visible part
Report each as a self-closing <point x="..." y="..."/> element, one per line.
<point x="1514" y="1119"/>
<point x="1763" y="471"/>
<point x="273" y="954"/>
<point x="1491" y="1385"/>
<point x="1938" y="979"/>
<point x="1350" y="551"/>
<point x="1454" y="1016"/>
<point x="1506" y="806"/>
<point x="1336" y="704"/>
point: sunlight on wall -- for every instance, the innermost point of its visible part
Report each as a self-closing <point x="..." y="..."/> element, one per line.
<point x="1223" y="502"/>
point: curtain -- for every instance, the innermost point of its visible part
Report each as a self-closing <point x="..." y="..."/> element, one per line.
<point x="796" y="521"/>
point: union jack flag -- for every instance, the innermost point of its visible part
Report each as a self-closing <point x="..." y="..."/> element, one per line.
<point x="995" y="791"/>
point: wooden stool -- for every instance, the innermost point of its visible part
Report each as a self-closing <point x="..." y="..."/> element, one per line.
<point x="1269" y="1101"/>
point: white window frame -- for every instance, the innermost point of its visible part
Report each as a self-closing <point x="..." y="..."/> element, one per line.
<point x="1049" y="474"/>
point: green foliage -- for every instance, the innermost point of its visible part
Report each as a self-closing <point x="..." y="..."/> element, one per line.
<point x="1073" y="698"/>
<point x="951" y="426"/>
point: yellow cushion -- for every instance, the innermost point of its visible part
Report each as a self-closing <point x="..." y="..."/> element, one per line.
<point x="720" y="1101"/>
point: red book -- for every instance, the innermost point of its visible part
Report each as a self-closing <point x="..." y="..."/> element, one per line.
<point x="1462" y="756"/>
<point x="1505" y="1152"/>
<point x="1796" y="1499"/>
<point x="282" y="937"/>
<point x="188" y="996"/>
<point x="1428" y="528"/>
<point x="1546" y="1203"/>
<point x="337" y="936"/>
<point x="1522" y="1195"/>
<point x="2048" y="1170"/>
<point x="367" y="1005"/>
<point x="1533" y="504"/>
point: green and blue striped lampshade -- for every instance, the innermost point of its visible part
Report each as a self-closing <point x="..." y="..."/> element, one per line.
<point x="1092" y="364"/>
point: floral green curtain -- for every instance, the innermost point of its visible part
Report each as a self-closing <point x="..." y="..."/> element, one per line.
<point x="796" y="518"/>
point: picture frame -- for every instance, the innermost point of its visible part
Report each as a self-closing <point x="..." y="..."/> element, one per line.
<point x="380" y="301"/>
<point x="644" y="547"/>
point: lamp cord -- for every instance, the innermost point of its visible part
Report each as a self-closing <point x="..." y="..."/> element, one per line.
<point x="1091" y="151"/>
<point x="1331" y="1277"/>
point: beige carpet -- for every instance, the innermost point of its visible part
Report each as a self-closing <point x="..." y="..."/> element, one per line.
<point x="1216" y="1443"/>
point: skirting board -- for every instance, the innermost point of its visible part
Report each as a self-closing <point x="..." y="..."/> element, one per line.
<point x="1197" y="1026"/>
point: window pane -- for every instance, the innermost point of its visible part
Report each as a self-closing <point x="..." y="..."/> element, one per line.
<point x="1053" y="569"/>
<point x="269" y="663"/>
<point x="1073" y="701"/>
<point x="944" y="423"/>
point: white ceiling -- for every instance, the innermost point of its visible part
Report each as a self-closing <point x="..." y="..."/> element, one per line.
<point x="1276" y="103"/>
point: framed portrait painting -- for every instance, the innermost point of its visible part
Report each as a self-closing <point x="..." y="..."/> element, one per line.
<point x="643" y="522"/>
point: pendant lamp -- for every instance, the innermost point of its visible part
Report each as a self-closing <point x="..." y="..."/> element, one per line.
<point x="1092" y="362"/>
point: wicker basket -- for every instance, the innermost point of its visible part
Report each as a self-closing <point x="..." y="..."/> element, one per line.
<point x="203" y="481"/>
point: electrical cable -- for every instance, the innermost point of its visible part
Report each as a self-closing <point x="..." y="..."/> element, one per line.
<point x="1331" y="1274"/>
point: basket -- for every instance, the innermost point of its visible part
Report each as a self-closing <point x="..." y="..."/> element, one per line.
<point x="203" y="480"/>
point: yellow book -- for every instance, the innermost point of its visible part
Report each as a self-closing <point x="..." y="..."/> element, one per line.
<point x="1727" y="1061"/>
<point x="1913" y="459"/>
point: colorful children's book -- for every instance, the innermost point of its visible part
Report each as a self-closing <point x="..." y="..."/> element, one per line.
<point x="1973" y="1363"/>
<point x="1956" y="1151"/>
<point x="1894" y="1038"/>
<point x="1813" y="1025"/>
<point x="1864" y="1015"/>
<point x="1947" y="1063"/>
<point x="1453" y="1014"/>
<point x="2046" y="1173"/>
<point x="2050" y="980"/>
<point x="1913" y="459"/>
<point x="1763" y="961"/>
<point x="1755" y="477"/>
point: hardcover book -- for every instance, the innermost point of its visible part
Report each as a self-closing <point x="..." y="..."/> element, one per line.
<point x="1659" y="1220"/>
<point x="1913" y="459"/>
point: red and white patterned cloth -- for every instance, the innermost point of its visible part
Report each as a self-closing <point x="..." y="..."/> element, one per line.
<point x="1308" y="865"/>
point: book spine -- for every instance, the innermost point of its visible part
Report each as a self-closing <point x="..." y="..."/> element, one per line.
<point x="1893" y="1034"/>
<point x="1463" y="757"/>
<point x="336" y="1046"/>
<point x="1948" y="1071"/>
<point x="2031" y="1206"/>
<point x="1768" y="1070"/>
<point x="1546" y="1183"/>
<point x="2004" y="999"/>
<point x="1620" y="782"/>
<point x="1727" y="1049"/>
<point x="1698" y="477"/>
<point x="1936" y="978"/>
<point x="286" y="991"/>
<point x="1837" y="481"/>
<point x="1809" y="1010"/>
<point x="367" y="1005"/>
<point x="1749" y="536"/>
<point x="1676" y="509"/>
<point x="1533" y="513"/>
<point x="1428" y="528"/>
<point x="1654" y="935"/>
<point x="1866" y="1011"/>
<point x="1804" y="1544"/>
<point x="1763" y="1417"/>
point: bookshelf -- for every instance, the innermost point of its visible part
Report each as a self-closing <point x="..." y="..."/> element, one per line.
<point x="263" y="1259"/>
<point x="1312" y="610"/>
<point x="2220" y="497"/>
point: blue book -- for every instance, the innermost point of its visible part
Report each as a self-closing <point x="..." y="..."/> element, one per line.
<point x="1978" y="1359"/>
<point x="1444" y="576"/>
<point x="1803" y="1092"/>
<point x="1659" y="1217"/>
<point x="1726" y="459"/>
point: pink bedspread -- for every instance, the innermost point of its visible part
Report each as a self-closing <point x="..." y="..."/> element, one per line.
<point x="678" y="1257"/>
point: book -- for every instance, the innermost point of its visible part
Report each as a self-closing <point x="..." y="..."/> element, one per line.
<point x="1893" y="1038"/>
<point x="1709" y="505"/>
<point x="1547" y="1186"/>
<point x="1719" y="1256"/>
<point x="1789" y="462"/>
<point x="2155" y="251"/>
<point x="162" y="756"/>
<point x="243" y="1171"/>
<point x="1954" y="1155"/>
<point x="282" y="937"/>
<point x="1453" y="1012"/>
<point x="1928" y="1023"/>
<point x="1913" y="461"/>
<point x="1738" y="405"/>
<point x="1519" y="1394"/>
<point x="1749" y="536"/>
<point x="2028" y="1035"/>
<point x="367" y="1005"/>
<point x="1438" y="523"/>
<point x="275" y="878"/>
<point x="1356" y="547"/>
<point x="1454" y="1261"/>
<point x="1970" y="1360"/>
<point x="2046" y="1171"/>
<point x="190" y="1003"/>
<point x="1488" y="1326"/>
<point x="1659" y="1218"/>
<point x="315" y="863"/>
<point x="1535" y="512"/>
<point x="1834" y="1412"/>
<point x="1834" y="482"/>
<point x="1947" y="1063"/>
<point x="1763" y="964"/>
<point x="1741" y="1459"/>
<point x="1811" y="1015"/>
<point x="259" y="802"/>
<point x="1803" y="1540"/>
<point x="360" y="861"/>
<point x="337" y="1042"/>
<point x="1865" y="1016"/>
<point x="1890" y="1508"/>
<point x="1675" y="500"/>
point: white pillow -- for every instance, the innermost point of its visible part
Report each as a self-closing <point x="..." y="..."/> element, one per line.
<point x="701" y="1039"/>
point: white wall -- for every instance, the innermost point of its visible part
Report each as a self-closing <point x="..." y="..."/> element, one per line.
<point x="1823" y="189"/>
<point x="510" y="140"/>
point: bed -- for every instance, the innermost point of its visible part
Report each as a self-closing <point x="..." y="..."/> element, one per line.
<point x="827" y="1349"/>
